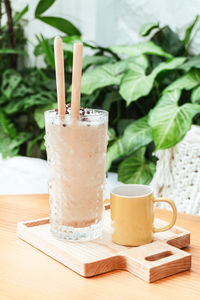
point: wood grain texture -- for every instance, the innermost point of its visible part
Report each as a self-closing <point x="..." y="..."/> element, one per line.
<point x="27" y="273"/>
<point x="60" y="75"/>
<point x="149" y="262"/>
<point x="76" y="79"/>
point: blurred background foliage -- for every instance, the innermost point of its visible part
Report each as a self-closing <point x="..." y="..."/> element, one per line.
<point x="151" y="90"/>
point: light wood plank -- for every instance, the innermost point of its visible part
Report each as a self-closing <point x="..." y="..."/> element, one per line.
<point x="149" y="262"/>
<point x="27" y="273"/>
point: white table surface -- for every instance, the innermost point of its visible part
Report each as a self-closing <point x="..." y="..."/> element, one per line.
<point x="24" y="175"/>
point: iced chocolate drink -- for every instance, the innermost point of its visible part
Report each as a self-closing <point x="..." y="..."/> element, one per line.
<point x="76" y="151"/>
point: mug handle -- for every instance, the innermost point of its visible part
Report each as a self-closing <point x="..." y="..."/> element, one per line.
<point x="174" y="216"/>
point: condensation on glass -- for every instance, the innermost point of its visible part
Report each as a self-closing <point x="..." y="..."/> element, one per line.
<point x="76" y="152"/>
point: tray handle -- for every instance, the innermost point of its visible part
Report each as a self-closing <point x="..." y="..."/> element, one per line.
<point x="157" y="260"/>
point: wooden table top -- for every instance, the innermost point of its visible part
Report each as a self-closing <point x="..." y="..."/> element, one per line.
<point x="27" y="273"/>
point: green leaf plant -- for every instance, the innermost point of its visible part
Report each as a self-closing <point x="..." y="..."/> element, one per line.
<point x="61" y="24"/>
<point x="151" y="90"/>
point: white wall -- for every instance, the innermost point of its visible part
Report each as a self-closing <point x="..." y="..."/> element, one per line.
<point x="110" y="22"/>
<point x="80" y="13"/>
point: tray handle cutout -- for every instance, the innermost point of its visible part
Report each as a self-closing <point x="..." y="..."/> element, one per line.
<point x="159" y="255"/>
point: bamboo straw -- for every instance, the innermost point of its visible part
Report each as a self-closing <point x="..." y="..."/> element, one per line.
<point x="76" y="80"/>
<point x="60" y="75"/>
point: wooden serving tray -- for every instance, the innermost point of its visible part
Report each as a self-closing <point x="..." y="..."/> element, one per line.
<point x="151" y="262"/>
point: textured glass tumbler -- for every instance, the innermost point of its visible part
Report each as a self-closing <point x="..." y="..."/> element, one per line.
<point x="76" y="152"/>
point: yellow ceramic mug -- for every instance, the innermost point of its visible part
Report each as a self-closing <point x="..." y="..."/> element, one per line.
<point x="132" y="214"/>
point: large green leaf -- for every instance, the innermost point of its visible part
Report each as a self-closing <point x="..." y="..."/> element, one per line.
<point x="123" y="124"/>
<point x="169" y="41"/>
<point x="193" y="62"/>
<point x="6" y="124"/>
<point x="169" y="121"/>
<point x="3" y="99"/>
<point x="20" y="138"/>
<point x="12" y="51"/>
<point x="137" y="63"/>
<point x="20" y="105"/>
<point x="140" y="48"/>
<point x="9" y="146"/>
<point x="111" y="135"/>
<point x="42" y="6"/>
<point x="10" y="81"/>
<point x="169" y="65"/>
<point x="96" y="60"/>
<point x="33" y="142"/>
<point x="5" y="149"/>
<point x="15" y="106"/>
<point x="137" y="135"/>
<point x="39" y="113"/>
<point x="148" y="27"/>
<point x="137" y="84"/>
<point x="115" y="151"/>
<point x="136" y="169"/>
<point x="188" y="81"/>
<point x="100" y="77"/>
<point x="195" y="96"/>
<point x="110" y="98"/>
<point x="43" y="98"/>
<point x="61" y="24"/>
<point x="22" y="90"/>
<point x="109" y="74"/>
<point x="89" y="100"/>
<point x="42" y="145"/>
<point x="47" y="48"/>
<point x="19" y="15"/>
<point x="188" y="32"/>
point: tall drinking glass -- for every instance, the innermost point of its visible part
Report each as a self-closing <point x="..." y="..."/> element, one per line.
<point x="76" y="152"/>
